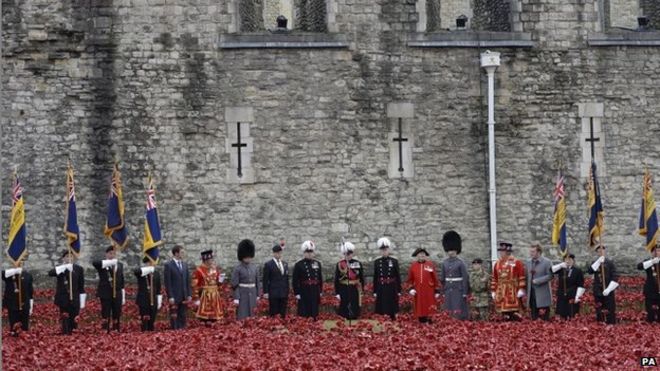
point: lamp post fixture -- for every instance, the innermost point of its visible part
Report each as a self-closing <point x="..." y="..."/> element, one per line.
<point x="490" y="61"/>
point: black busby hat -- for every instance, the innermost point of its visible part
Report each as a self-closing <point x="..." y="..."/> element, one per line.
<point x="207" y="254"/>
<point x="451" y="241"/>
<point x="245" y="249"/>
<point x="505" y="246"/>
<point x="418" y="250"/>
<point x="277" y="248"/>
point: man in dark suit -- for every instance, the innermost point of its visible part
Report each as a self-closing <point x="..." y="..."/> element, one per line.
<point x="110" y="289"/>
<point x="652" y="285"/>
<point x="276" y="282"/>
<point x="177" y="287"/>
<point x="18" y="298"/>
<point x="148" y="296"/>
<point x="70" y="291"/>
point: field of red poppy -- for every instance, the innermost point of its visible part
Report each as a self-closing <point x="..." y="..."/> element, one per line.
<point x="374" y="343"/>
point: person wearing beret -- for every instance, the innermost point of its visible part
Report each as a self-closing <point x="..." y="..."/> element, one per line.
<point x="424" y="280"/>
<point x="604" y="284"/>
<point x="508" y="284"/>
<point x="479" y="287"/>
<point x="206" y="280"/>
<point x="276" y="282"/>
<point x="570" y="287"/>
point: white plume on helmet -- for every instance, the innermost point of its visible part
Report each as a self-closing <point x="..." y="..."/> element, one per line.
<point x="345" y="247"/>
<point x="383" y="242"/>
<point x="307" y="245"/>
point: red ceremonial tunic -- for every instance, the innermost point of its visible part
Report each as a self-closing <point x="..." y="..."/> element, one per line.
<point x="206" y="289"/>
<point x="508" y="278"/>
<point x="425" y="281"/>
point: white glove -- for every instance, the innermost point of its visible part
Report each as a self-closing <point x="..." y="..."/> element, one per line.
<point x="197" y="302"/>
<point x="123" y="296"/>
<point x="297" y="297"/>
<point x="656" y="260"/>
<point x="221" y="278"/>
<point x="375" y="295"/>
<point x="559" y="266"/>
<point x="13" y="271"/>
<point x="647" y="264"/>
<point x="437" y="296"/>
<point x="492" y="294"/>
<point x="108" y="263"/>
<point x="338" y="297"/>
<point x="521" y="293"/>
<point x="60" y="269"/>
<point x="579" y="293"/>
<point x="611" y="287"/>
<point x="147" y="270"/>
<point x="236" y="301"/>
<point x="159" y="301"/>
<point x="83" y="299"/>
<point x="265" y="296"/>
<point x="597" y="263"/>
<point x="31" y="305"/>
<point x="413" y="292"/>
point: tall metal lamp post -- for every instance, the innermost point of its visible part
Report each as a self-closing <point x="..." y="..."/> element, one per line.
<point x="490" y="61"/>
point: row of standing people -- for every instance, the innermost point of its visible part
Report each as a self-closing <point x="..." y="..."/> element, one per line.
<point x="513" y="287"/>
<point x="516" y="285"/>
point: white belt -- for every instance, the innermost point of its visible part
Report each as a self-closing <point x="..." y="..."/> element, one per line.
<point x="458" y="279"/>
<point x="247" y="285"/>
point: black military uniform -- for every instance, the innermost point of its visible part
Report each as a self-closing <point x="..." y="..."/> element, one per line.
<point x="605" y="305"/>
<point x="69" y="301"/>
<point x="651" y="291"/>
<point x="349" y="285"/>
<point x="149" y="289"/>
<point x="387" y="285"/>
<point x="17" y="299"/>
<point x="307" y="282"/>
<point x="111" y="303"/>
<point x="569" y="280"/>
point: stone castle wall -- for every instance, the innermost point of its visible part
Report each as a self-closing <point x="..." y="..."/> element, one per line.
<point x="144" y="81"/>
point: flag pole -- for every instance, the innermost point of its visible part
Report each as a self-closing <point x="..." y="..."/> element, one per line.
<point x="70" y="275"/>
